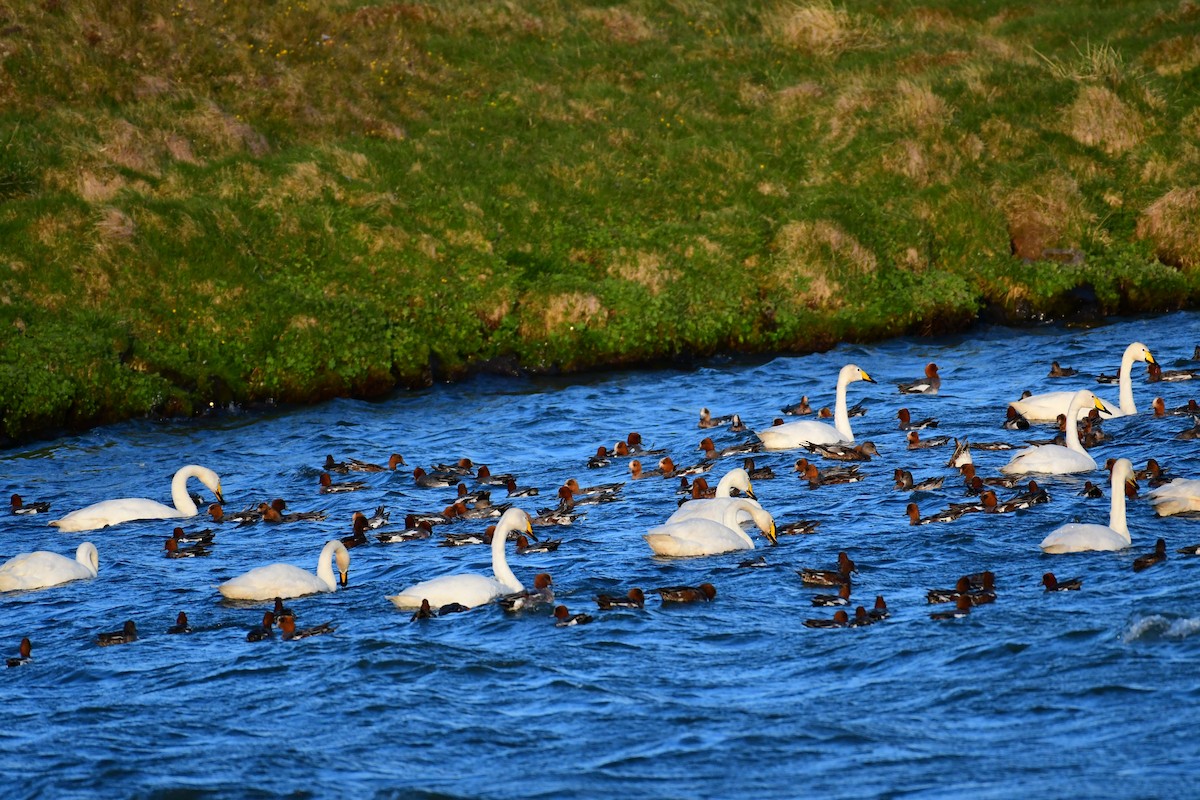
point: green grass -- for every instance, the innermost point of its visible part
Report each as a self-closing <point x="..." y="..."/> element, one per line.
<point x="204" y="203"/>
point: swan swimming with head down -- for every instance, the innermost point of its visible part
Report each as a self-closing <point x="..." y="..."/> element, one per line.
<point x="127" y="509"/>
<point x="41" y="568"/>
<point x="1057" y="459"/>
<point x="703" y="536"/>
<point x="471" y="589"/>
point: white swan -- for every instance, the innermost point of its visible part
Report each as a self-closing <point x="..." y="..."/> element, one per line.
<point x="1077" y="537"/>
<point x="284" y="580"/>
<point x="701" y="536"/>
<point x="126" y="509"/>
<point x="791" y="435"/>
<point x="470" y="589"/>
<point x="1055" y="459"/>
<point x="715" y="509"/>
<point x="1176" y="497"/>
<point x="42" y="568"/>
<point x="1047" y="406"/>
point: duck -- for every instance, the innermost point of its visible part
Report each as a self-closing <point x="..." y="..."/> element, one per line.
<point x="904" y="481"/>
<point x="1053" y="584"/>
<point x="515" y="491"/>
<point x="968" y="473"/>
<point x="127" y="509"/>
<point x="711" y="452"/>
<point x="637" y="473"/>
<point x="565" y="619"/>
<point x="879" y="611"/>
<point x="19" y="506"/>
<point x="829" y="577"/>
<point x="799" y="409"/>
<point x="285" y="580"/>
<point x="471" y="589"/>
<point x="635" y="598"/>
<point x="329" y="487"/>
<point x="1150" y="559"/>
<point x="797" y="528"/>
<point x="840" y="620"/>
<point x="280" y="610"/>
<point x="289" y="632"/>
<point x="42" y="569"/>
<point x="915" y="442"/>
<point x="842" y="598"/>
<point x="420" y="530"/>
<point x="930" y="384"/>
<point x="1191" y="408"/>
<point x="862" y="618"/>
<point x="907" y="423"/>
<point x="542" y="592"/>
<point x="707" y="420"/>
<point x="842" y="452"/>
<point x="667" y="468"/>
<point x="176" y="550"/>
<point x="1177" y="497"/>
<point x="1014" y="420"/>
<point x="1091" y="491"/>
<point x="702" y="536"/>
<point x="946" y="515"/>
<point x="602" y="458"/>
<point x="525" y="548"/>
<point x="181" y="624"/>
<point x="1079" y="537"/>
<point x="831" y="476"/>
<point x="962" y="454"/>
<point x="962" y="608"/>
<point x="262" y="632"/>
<point x="756" y="473"/>
<point x="127" y="634"/>
<point x="704" y="593"/>
<point x="1057" y="459"/>
<point x="962" y="586"/>
<point x="791" y="435"/>
<point x="358" y="534"/>
<point x="25" y="654"/>
<point x="1047" y="406"/>
<point x="754" y="563"/>
<point x="434" y="480"/>
<point x="424" y="612"/>
<point x="1156" y="374"/>
<point x="1191" y="433"/>
<point x="1061" y="372"/>
<point x="699" y="490"/>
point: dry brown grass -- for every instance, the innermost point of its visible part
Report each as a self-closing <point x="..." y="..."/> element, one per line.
<point x="1048" y="214"/>
<point x="918" y="108"/>
<point x="544" y="316"/>
<point x="643" y="268"/>
<point x="819" y="29"/>
<point x="1172" y="224"/>
<point x="814" y="255"/>
<point x="1174" y="56"/>
<point x="620" y="25"/>
<point x="1098" y="118"/>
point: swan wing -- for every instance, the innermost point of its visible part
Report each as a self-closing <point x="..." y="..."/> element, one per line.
<point x="1177" y="497"/>
<point x="1079" y="537"/>
<point x="113" y="512"/>
<point x="791" y="435"/>
<point x="39" y="570"/>
<point x="695" y="537"/>
<point x="271" y="581"/>
<point x="1051" y="459"/>
<point x="467" y="589"/>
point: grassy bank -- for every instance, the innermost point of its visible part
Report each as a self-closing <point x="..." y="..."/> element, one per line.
<point x="203" y="203"/>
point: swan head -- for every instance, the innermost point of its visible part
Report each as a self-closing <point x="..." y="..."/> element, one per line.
<point x="1139" y="352"/>
<point x="1122" y="476"/>
<point x="211" y="480"/>
<point x="851" y="373"/>
<point x="342" y="556"/>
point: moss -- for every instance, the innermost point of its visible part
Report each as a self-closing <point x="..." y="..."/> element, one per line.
<point x="308" y="202"/>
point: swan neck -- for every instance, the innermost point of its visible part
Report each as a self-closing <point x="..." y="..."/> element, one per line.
<point x="1116" y="514"/>
<point x="730" y="520"/>
<point x="325" y="565"/>
<point x="1125" y="380"/>
<point x="500" y="566"/>
<point x="179" y="492"/>
<point x="1072" y="431"/>
<point x="841" y="418"/>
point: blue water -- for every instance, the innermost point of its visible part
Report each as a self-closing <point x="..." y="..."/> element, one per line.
<point x="1089" y="692"/>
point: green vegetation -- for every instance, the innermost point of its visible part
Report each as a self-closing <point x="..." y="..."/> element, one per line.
<point x="210" y="202"/>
